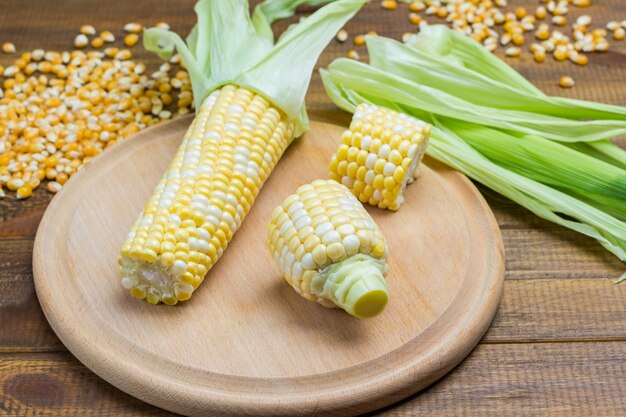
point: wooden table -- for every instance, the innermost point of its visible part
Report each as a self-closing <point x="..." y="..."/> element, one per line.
<point x="556" y="347"/>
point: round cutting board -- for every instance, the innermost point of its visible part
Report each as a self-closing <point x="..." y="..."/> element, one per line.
<point x="246" y="343"/>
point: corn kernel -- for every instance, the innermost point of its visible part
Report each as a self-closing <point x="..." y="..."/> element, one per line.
<point x="389" y="4"/>
<point x="417" y="6"/>
<point x="8" y="48"/>
<point x="97" y="42"/>
<point x="352" y="54"/>
<point x="131" y="39"/>
<point x="88" y="30"/>
<point x="81" y="41"/>
<point x="107" y="36"/>
<point x="359" y="40"/>
<point x="133" y="27"/>
<point x="566" y="82"/>
<point x="342" y="36"/>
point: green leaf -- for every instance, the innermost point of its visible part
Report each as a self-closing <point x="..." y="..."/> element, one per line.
<point x="227" y="46"/>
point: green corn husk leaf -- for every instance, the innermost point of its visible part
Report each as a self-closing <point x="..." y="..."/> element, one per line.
<point x="411" y="91"/>
<point x="459" y="65"/>
<point x="351" y="85"/>
<point x="227" y="46"/>
<point x="548" y="162"/>
<point x="465" y="63"/>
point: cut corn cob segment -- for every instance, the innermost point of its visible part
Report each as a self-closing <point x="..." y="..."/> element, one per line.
<point x="329" y="249"/>
<point x="379" y="155"/>
<point x="225" y="157"/>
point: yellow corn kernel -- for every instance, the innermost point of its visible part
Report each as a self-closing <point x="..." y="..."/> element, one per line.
<point x="133" y="27"/>
<point x="97" y="42"/>
<point x="81" y="41"/>
<point x="566" y="82"/>
<point x="417" y="6"/>
<point x="342" y="36"/>
<point x="88" y="30"/>
<point x="8" y="48"/>
<point x="352" y="54"/>
<point x="415" y="18"/>
<point x="107" y="36"/>
<point x="131" y="39"/>
<point x="359" y="40"/>
<point x="539" y="56"/>
<point x="389" y="4"/>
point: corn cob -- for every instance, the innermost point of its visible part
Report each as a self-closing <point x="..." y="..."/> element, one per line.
<point x="250" y="105"/>
<point x="379" y="155"/>
<point x="226" y="155"/>
<point x="329" y="249"/>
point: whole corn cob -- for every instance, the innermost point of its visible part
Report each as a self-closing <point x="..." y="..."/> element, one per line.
<point x="379" y="155"/>
<point x="227" y="154"/>
<point x="250" y="102"/>
<point x="329" y="249"/>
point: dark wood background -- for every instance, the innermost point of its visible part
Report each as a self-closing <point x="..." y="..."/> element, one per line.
<point x="556" y="347"/>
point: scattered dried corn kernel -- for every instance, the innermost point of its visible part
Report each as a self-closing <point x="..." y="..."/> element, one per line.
<point x="513" y="52"/>
<point x="133" y="27"/>
<point x="107" y="36"/>
<point x="352" y="54"/>
<point x="58" y="110"/>
<point x="541" y="12"/>
<point x="8" y="48"/>
<point x="539" y="56"/>
<point x="359" y="40"/>
<point x="417" y="6"/>
<point x="619" y="34"/>
<point x="97" y="42"/>
<point x="131" y="39"/>
<point x="389" y="4"/>
<point x="88" y="30"/>
<point x="342" y="35"/>
<point x="81" y="41"/>
<point x="566" y="82"/>
<point x="415" y="18"/>
<point x="162" y="25"/>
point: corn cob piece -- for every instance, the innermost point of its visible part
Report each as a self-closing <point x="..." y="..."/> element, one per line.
<point x="329" y="249"/>
<point x="225" y="157"/>
<point x="379" y="155"/>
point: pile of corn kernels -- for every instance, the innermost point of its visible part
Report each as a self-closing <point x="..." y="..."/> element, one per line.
<point x="58" y="110"/>
<point x="479" y="20"/>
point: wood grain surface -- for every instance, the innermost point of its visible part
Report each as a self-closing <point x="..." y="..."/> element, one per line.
<point x="556" y="347"/>
<point x="263" y="348"/>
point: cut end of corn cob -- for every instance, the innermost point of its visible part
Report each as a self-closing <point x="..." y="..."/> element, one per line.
<point x="225" y="157"/>
<point x="330" y="250"/>
<point x="379" y="155"/>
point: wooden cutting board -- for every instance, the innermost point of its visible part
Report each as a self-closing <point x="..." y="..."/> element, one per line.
<point x="246" y="343"/>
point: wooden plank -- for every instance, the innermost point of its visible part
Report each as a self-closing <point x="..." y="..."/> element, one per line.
<point x="556" y="253"/>
<point x="514" y="380"/>
<point x="20" y="218"/>
<point x="559" y="310"/>
<point x="23" y="326"/>
<point x="56" y="384"/>
<point x="577" y="379"/>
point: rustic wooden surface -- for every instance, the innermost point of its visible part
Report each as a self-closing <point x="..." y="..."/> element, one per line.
<point x="556" y="347"/>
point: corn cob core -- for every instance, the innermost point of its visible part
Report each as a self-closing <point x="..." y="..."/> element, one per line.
<point x="225" y="157"/>
<point x="329" y="248"/>
<point x="379" y="155"/>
